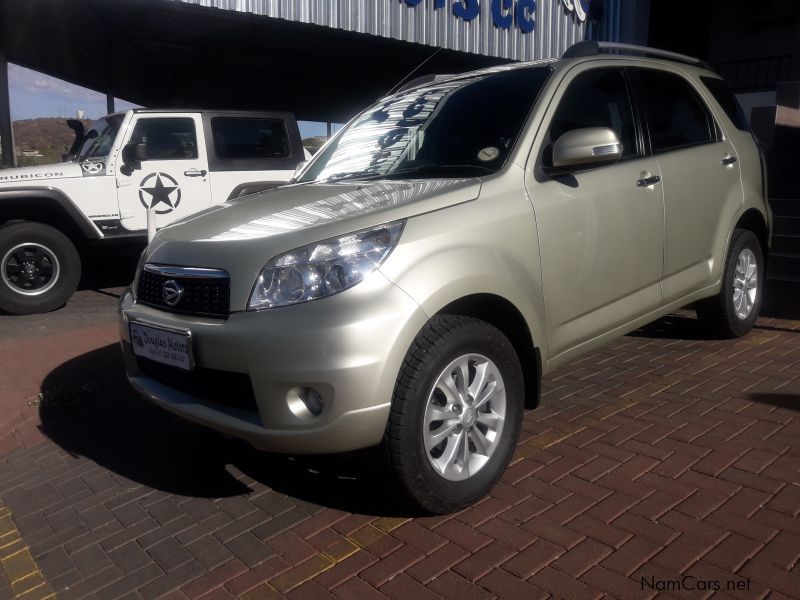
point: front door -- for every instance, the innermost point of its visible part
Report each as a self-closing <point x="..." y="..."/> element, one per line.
<point x="601" y="229"/>
<point x="173" y="181"/>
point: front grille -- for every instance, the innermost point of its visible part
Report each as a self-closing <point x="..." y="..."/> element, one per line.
<point x="206" y="292"/>
<point x="207" y="385"/>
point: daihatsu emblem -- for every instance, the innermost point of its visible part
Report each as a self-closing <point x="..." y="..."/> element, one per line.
<point x="172" y="292"/>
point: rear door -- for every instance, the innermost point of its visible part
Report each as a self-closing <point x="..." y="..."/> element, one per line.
<point x="701" y="180"/>
<point x="251" y="152"/>
<point x="173" y="181"/>
<point x="600" y="229"/>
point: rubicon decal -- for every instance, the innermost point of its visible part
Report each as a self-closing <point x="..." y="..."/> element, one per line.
<point x="31" y="176"/>
<point x="160" y="192"/>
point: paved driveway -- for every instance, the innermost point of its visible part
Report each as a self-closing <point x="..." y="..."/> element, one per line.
<point x="664" y="462"/>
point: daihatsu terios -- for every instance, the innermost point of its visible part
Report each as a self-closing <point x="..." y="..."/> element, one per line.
<point x="448" y="247"/>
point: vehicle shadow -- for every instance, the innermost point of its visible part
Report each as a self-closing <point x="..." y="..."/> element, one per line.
<point x="790" y="401"/>
<point x="110" y="266"/>
<point x="674" y="327"/>
<point x="88" y="408"/>
<point x="781" y="301"/>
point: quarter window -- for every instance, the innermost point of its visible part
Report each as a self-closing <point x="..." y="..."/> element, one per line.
<point x="727" y="101"/>
<point x="171" y="138"/>
<point x="675" y="113"/>
<point x="236" y="137"/>
<point x="597" y="98"/>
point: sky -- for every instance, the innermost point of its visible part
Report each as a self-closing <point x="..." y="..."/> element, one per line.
<point x="36" y="95"/>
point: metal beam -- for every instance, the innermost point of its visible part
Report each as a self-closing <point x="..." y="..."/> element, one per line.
<point x="110" y="103"/>
<point x="7" y="157"/>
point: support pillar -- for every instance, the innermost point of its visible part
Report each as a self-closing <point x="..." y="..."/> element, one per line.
<point x="330" y="129"/>
<point x="109" y="104"/>
<point x="8" y="158"/>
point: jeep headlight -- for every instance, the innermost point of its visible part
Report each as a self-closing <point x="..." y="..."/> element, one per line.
<point x="323" y="268"/>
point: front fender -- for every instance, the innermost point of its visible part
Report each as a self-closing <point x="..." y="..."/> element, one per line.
<point x="487" y="246"/>
<point x="55" y="198"/>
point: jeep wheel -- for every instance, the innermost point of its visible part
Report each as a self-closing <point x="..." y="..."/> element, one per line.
<point x="39" y="268"/>
<point x="456" y="413"/>
<point x="733" y="312"/>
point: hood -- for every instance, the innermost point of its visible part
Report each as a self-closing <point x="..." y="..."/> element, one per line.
<point x="240" y="237"/>
<point x="33" y="175"/>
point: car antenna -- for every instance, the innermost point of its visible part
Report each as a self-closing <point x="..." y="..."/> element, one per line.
<point x="414" y="70"/>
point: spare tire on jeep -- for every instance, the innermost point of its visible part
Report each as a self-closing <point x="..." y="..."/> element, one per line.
<point x="39" y="268"/>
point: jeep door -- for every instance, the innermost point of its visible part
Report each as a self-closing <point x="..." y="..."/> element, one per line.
<point x="601" y="228"/>
<point x="701" y="180"/>
<point x="173" y="180"/>
<point x="250" y="152"/>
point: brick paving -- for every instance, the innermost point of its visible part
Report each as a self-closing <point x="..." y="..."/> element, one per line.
<point x="662" y="462"/>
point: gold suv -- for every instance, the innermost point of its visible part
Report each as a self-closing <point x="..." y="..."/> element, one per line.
<point x="452" y="244"/>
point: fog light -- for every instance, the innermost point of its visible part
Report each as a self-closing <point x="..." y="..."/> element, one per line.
<point x="305" y="402"/>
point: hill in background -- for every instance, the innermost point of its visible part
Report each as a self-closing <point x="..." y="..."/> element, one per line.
<point x="50" y="137"/>
<point x="44" y="134"/>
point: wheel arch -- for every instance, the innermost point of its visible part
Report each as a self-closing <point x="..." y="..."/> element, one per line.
<point x="754" y="221"/>
<point x="502" y="314"/>
<point x="49" y="207"/>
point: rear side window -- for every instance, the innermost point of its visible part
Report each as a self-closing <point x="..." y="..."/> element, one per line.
<point x="597" y="98"/>
<point x="676" y="115"/>
<point x="727" y="101"/>
<point x="236" y="138"/>
<point x="170" y="138"/>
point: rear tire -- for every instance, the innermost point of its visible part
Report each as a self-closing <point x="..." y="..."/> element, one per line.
<point x="39" y="268"/>
<point x="733" y="312"/>
<point x="450" y="437"/>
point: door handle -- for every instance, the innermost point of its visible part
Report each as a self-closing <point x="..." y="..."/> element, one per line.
<point x="648" y="181"/>
<point x="729" y="161"/>
<point x="195" y="173"/>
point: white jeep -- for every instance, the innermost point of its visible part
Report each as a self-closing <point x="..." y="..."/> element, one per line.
<point x="174" y="162"/>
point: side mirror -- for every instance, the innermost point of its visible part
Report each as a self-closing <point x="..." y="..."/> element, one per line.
<point x="587" y="146"/>
<point x="133" y="154"/>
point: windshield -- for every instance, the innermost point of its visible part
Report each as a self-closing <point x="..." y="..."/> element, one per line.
<point x="101" y="135"/>
<point x="462" y="127"/>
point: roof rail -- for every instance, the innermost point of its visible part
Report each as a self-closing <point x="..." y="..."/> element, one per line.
<point x="593" y="48"/>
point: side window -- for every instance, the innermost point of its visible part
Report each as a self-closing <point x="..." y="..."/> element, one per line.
<point x="676" y="115"/>
<point x="167" y="138"/>
<point x="236" y="137"/>
<point x="727" y="101"/>
<point x="597" y="98"/>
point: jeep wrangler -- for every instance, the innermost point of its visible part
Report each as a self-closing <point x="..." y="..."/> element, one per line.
<point x="173" y="162"/>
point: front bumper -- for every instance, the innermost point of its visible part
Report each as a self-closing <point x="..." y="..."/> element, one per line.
<point x="349" y="347"/>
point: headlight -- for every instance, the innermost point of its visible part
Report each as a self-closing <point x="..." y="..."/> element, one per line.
<point x="323" y="268"/>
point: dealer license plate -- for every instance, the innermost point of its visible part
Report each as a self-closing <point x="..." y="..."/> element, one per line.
<point x="173" y="348"/>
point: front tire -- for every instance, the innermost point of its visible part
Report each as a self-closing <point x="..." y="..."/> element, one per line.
<point x="456" y="413"/>
<point x="39" y="268"/>
<point x="733" y="312"/>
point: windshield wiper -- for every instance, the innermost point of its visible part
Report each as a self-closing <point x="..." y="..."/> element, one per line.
<point x="348" y="175"/>
<point x="371" y="175"/>
<point x="434" y="168"/>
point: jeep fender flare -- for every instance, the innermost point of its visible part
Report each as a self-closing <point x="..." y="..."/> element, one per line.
<point x="54" y="197"/>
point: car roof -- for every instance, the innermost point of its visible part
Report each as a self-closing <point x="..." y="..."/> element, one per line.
<point x="583" y="52"/>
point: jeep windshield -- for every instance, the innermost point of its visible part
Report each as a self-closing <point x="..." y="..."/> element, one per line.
<point x="100" y="138"/>
<point x="461" y="127"/>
